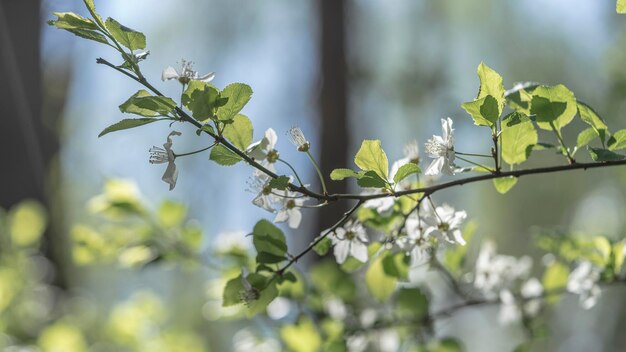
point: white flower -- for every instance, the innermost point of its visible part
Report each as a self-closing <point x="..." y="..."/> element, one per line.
<point x="163" y="155"/>
<point x="350" y="240"/>
<point x="441" y="148"/>
<point x="297" y="138"/>
<point x="291" y="203"/>
<point x="511" y="310"/>
<point x="496" y="272"/>
<point x="444" y="223"/>
<point x="584" y="281"/>
<point x="186" y="74"/>
<point x="532" y="288"/>
<point x="264" y="199"/>
<point x="264" y="151"/>
<point x="382" y="205"/>
<point x="416" y="241"/>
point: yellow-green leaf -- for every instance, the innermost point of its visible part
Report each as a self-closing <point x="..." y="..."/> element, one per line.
<point x="372" y="157"/>
<point x="239" y="132"/>
<point x="553" y="104"/>
<point x="379" y="284"/>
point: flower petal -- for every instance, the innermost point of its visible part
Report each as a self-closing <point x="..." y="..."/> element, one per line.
<point x="207" y="78"/>
<point x="359" y="251"/>
<point x="169" y="73"/>
<point x="341" y="250"/>
<point x="435" y="167"/>
<point x="171" y="175"/>
<point x="295" y="216"/>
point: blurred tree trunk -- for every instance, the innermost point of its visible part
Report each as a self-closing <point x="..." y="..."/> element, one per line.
<point x="28" y="144"/>
<point x="334" y="138"/>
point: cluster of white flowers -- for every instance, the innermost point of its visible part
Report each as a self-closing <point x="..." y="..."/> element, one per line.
<point x="499" y="275"/>
<point x="584" y="281"/>
<point x="286" y="204"/>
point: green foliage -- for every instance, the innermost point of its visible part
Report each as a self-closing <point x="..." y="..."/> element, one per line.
<point x="371" y="179"/>
<point x="127" y="124"/>
<point x="340" y="174"/>
<point x="454" y="258"/>
<point x="397" y="265"/>
<point x="489" y="104"/>
<point x="302" y="336"/>
<point x="379" y="284"/>
<point x="504" y="184"/>
<point x="553" y="104"/>
<point x="144" y="104"/>
<point x="448" y="344"/>
<point x="585" y="137"/>
<point x="372" y="157"/>
<point x="620" y="6"/>
<point x="411" y="303"/>
<point x="598" y="154"/>
<point x="328" y="279"/>
<point x="202" y="99"/>
<point x="239" y="132"/>
<point x="405" y="171"/>
<point x="223" y="156"/>
<point x="518" y="139"/>
<point x="269" y="242"/>
<point x="281" y="183"/>
<point x="79" y="26"/>
<point x="26" y="223"/>
<point x="618" y="140"/>
<point x="592" y="118"/>
<point x="323" y="246"/>
<point x="555" y="278"/>
<point x="238" y="95"/>
<point x="129" y="38"/>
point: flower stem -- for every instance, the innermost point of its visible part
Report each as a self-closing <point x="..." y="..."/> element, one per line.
<point x="319" y="172"/>
<point x="292" y="169"/>
<point x="476" y="164"/>
<point x="194" y="152"/>
<point x="564" y="149"/>
<point x="471" y="154"/>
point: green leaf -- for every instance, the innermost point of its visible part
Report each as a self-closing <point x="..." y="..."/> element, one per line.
<point x="370" y="179"/>
<point x="620" y="6"/>
<point x="484" y="111"/>
<point x="269" y="239"/>
<point x="397" y="265"/>
<point x="238" y="95"/>
<point x="598" y="154"/>
<point x="617" y="140"/>
<point x="555" y="104"/>
<point x="517" y="139"/>
<point x="491" y="84"/>
<point x="126" y="124"/>
<point x="171" y="214"/>
<point x="223" y="156"/>
<point x="520" y="99"/>
<point x="592" y="118"/>
<point x="555" y="278"/>
<point x="202" y="99"/>
<point x="239" y="132"/>
<point x="301" y="337"/>
<point x="340" y="174"/>
<point x="323" y="246"/>
<point x="144" y="104"/>
<point x="504" y="184"/>
<point x="70" y="20"/>
<point x="411" y="303"/>
<point x="266" y="297"/>
<point x="232" y="292"/>
<point x="129" y="38"/>
<point x="585" y="137"/>
<point x="281" y="182"/>
<point x="380" y="285"/>
<point x="405" y="171"/>
<point x="205" y="128"/>
<point x="328" y="279"/>
<point x="372" y="157"/>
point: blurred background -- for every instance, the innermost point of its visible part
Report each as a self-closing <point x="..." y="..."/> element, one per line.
<point x="342" y="71"/>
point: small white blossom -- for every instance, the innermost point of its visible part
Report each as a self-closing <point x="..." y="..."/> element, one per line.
<point x="496" y="272"/>
<point x="350" y="240"/>
<point x="186" y="74"/>
<point x="530" y="289"/>
<point x="512" y="310"/>
<point x="290" y="209"/>
<point x="163" y="155"/>
<point x="264" y="151"/>
<point x="264" y="199"/>
<point x="584" y="281"/>
<point x="382" y="205"/>
<point x="416" y="241"/>
<point x="444" y="223"/>
<point x="297" y="138"/>
<point x="441" y="148"/>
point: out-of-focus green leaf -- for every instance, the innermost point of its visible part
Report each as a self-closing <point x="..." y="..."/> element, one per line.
<point x="302" y="336"/>
<point x="269" y="242"/>
<point x="379" y="284"/>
